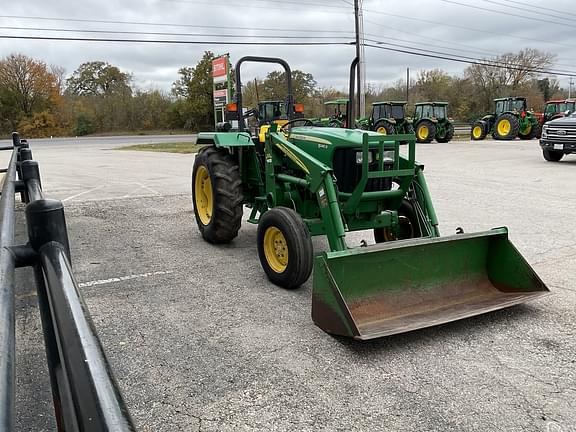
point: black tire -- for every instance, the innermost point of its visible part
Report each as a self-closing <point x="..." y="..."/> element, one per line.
<point x="448" y="135"/>
<point x="335" y="123"/>
<point x="290" y="264"/>
<point x="409" y="128"/>
<point x="506" y="133"/>
<point x="409" y="227"/>
<point x="552" y="156"/>
<point x="383" y="125"/>
<point x="478" y="131"/>
<point x="534" y="132"/>
<point x="219" y="222"/>
<point x="425" y="131"/>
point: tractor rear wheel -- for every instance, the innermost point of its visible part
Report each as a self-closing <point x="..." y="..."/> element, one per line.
<point x="506" y="127"/>
<point x="285" y="247"/>
<point x="448" y="134"/>
<point x="217" y="195"/>
<point x="425" y="131"/>
<point x="409" y="128"/>
<point x="530" y="132"/>
<point x="384" y="128"/>
<point x="478" y="131"/>
<point x="408" y="228"/>
<point x="552" y="156"/>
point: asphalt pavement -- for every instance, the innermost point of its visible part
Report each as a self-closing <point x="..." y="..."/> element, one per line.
<point x="199" y="340"/>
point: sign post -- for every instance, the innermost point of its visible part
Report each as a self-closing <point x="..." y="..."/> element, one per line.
<point x="222" y="87"/>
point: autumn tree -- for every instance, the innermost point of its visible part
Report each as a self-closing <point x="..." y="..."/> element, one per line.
<point x="98" y="78"/>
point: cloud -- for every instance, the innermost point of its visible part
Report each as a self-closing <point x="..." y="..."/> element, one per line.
<point x="416" y="25"/>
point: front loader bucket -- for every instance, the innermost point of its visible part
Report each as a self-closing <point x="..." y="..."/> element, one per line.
<point x="406" y="285"/>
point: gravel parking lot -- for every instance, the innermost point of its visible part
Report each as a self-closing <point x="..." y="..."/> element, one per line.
<point x="199" y="340"/>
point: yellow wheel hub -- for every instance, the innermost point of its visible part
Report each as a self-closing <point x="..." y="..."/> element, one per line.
<point x="528" y="129"/>
<point x="203" y="197"/>
<point x="477" y="132"/>
<point x="382" y="130"/>
<point x="275" y="249"/>
<point x="504" y="127"/>
<point x="423" y="132"/>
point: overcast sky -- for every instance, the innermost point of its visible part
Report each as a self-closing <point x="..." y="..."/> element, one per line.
<point x="473" y="28"/>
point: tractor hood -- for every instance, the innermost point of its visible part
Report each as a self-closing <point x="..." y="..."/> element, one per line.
<point x="329" y="136"/>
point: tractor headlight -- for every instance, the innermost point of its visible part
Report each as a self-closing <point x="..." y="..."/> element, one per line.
<point x="359" y="157"/>
<point x="388" y="156"/>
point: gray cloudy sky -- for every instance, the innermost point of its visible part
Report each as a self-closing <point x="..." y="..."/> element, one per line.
<point x="473" y="28"/>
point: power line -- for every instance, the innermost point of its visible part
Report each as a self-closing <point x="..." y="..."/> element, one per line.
<point x="178" y="42"/>
<point x="539" y="8"/>
<point x="164" y="33"/>
<point x="152" y="24"/>
<point x="507" y="13"/>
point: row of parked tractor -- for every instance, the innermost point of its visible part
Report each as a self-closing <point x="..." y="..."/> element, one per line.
<point x="510" y="119"/>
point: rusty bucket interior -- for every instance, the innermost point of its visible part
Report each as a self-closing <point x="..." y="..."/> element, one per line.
<point x="406" y="285"/>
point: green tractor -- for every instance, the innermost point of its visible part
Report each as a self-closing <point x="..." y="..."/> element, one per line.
<point x="511" y="119"/>
<point x="336" y="116"/>
<point x="387" y="118"/>
<point x="432" y="122"/>
<point x="304" y="181"/>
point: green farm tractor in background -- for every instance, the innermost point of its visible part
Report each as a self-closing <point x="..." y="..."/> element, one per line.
<point x="387" y="118"/>
<point x="301" y="181"/>
<point x="431" y="121"/>
<point x="336" y="115"/>
<point x="510" y="119"/>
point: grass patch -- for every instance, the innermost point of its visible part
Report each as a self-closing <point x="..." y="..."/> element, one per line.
<point x="183" y="147"/>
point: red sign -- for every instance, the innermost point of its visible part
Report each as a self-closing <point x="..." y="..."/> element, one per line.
<point x="219" y="67"/>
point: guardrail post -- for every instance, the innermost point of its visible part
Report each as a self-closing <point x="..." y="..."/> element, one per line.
<point x="47" y="223"/>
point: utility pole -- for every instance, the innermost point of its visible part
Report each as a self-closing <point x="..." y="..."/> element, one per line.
<point x="570" y="87"/>
<point x="407" y="83"/>
<point x="361" y="71"/>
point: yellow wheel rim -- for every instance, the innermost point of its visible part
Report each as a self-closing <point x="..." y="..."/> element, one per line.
<point x="382" y="130"/>
<point x="528" y="129"/>
<point x="203" y="197"/>
<point x="275" y="249"/>
<point x="423" y="132"/>
<point x="477" y="132"/>
<point x="504" y="127"/>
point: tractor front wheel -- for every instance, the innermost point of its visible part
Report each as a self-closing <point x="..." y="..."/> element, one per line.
<point x="506" y="127"/>
<point x="425" y="131"/>
<point x="408" y="228"/>
<point x="217" y="195"/>
<point x="285" y="247"/>
<point x="385" y="128"/>
<point x="552" y="156"/>
<point x="478" y="131"/>
<point x="447" y="135"/>
<point x="531" y="131"/>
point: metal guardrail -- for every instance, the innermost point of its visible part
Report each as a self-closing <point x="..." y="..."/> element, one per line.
<point x="86" y="396"/>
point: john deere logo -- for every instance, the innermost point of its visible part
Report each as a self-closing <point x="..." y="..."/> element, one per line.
<point x="561" y="132"/>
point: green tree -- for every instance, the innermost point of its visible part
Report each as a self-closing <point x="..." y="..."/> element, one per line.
<point x="98" y="78"/>
<point x="194" y="108"/>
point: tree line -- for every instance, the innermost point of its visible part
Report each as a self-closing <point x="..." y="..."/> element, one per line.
<point x="40" y="100"/>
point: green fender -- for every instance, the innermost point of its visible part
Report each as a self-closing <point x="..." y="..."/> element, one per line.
<point x="225" y="139"/>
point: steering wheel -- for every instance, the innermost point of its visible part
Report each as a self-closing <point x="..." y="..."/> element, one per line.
<point x="293" y="123"/>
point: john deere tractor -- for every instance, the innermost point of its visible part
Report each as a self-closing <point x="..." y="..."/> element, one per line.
<point x="336" y="116"/>
<point x="387" y="118"/>
<point x="511" y="119"/>
<point x="304" y="181"/>
<point x="431" y="122"/>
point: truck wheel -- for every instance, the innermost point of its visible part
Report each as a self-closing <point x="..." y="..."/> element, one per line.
<point x="285" y="247"/>
<point x="478" y="131"/>
<point x="448" y="134"/>
<point x="506" y="127"/>
<point x="409" y="227"/>
<point x="217" y="195"/>
<point x="425" y="131"/>
<point x="552" y="156"/>
<point x="384" y="128"/>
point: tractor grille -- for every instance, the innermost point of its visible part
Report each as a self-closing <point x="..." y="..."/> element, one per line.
<point x="348" y="172"/>
<point x="561" y="133"/>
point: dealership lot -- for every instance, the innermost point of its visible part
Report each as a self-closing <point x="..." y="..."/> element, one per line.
<point x="199" y="340"/>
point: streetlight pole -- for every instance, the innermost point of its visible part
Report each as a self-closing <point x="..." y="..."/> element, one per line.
<point x="361" y="74"/>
